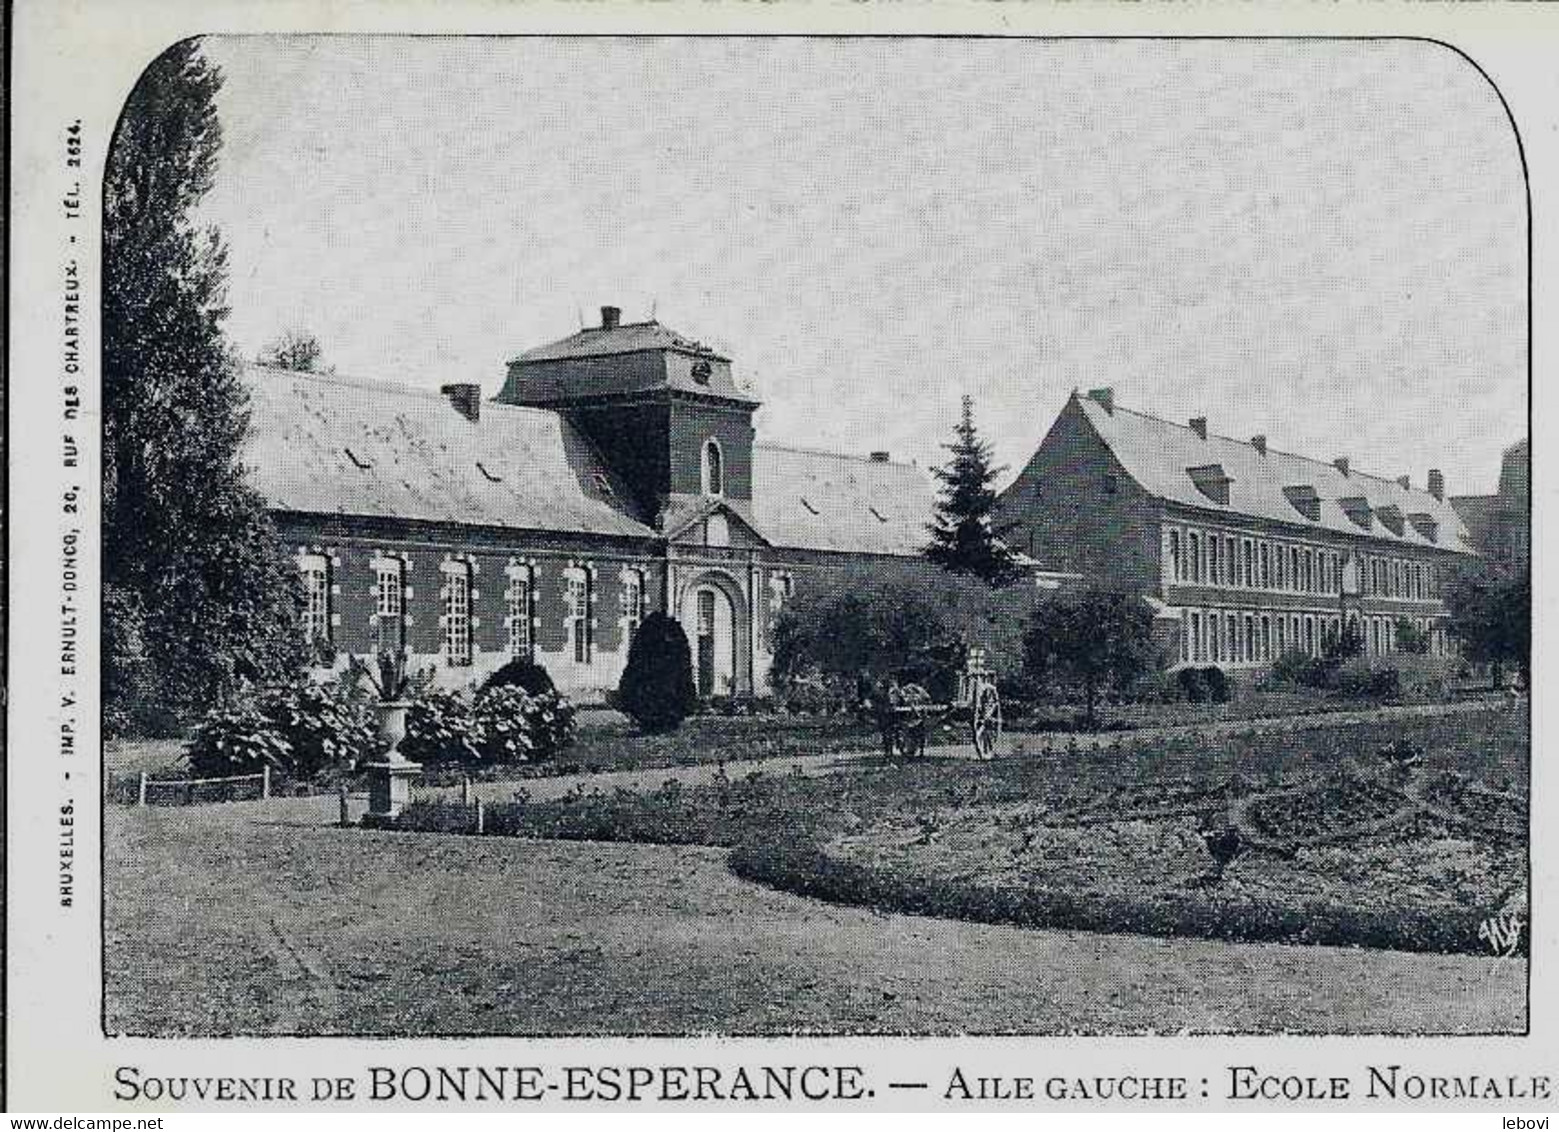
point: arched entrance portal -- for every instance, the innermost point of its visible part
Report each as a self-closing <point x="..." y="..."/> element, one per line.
<point x="712" y="615"/>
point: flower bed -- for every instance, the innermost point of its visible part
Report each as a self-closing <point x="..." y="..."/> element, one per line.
<point x="1104" y="840"/>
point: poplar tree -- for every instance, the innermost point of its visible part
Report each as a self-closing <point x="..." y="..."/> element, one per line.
<point x="198" y="596"/>
<point x="965" y="537"/>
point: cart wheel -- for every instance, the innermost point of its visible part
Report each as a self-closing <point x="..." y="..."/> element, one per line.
<point x="987" y="722"/>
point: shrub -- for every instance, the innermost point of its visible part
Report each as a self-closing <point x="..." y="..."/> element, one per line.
<point x="1217" y="684"/>
<point x="440" y="727"/>
<point x="1293" y="667"/>
<point x="521" y="673"/>
<point x="1355" y="678"/>
<point x="501" y="727"/>
<point x="1192" y="685"/>
<point x="237" y="738"/>
<point x="657" y="683"/>
<point x="322" y="725"/>
<point x="550" y="720"/>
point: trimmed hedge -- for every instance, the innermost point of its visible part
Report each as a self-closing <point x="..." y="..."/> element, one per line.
<point x="805" y="870"/>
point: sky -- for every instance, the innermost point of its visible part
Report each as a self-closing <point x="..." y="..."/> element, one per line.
<point x="1324" y="242"/>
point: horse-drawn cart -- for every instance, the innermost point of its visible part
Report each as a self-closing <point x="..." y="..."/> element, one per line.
<point x="906" y="712"/>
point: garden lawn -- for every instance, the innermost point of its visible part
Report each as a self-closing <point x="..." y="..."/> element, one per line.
<point x="255" y="918"/>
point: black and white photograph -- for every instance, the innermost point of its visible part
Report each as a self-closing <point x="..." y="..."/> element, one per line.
<point x="599" y="540"/>
<point x="933" y="569"/>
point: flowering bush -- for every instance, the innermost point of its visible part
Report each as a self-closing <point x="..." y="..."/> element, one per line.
<point x="501" y="724"/>
<point x="440" y="727"/>
<point x="237" y="738"/>
<point x="324" y="726"/>
<point x="503" y="719"/>
<point x="550" y="718"/>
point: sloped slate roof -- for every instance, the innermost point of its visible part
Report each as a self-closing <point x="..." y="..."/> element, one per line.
<point x="311" y="435"/>
<point x="625" y="338"/>
<point x="824" y="501"/>
<point x="1156" y="453"/>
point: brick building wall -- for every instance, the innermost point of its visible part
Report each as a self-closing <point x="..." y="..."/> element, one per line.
<point x="1077" y="511"/>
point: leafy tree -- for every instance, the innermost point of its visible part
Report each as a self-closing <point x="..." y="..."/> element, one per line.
<point x="1091" y="640"/>
<point x="295" y="350"/>
<point x="1491" y="618"/>
<point x="190" y="558"/>
<point x="657" y="683"/>
<point x="1410" y="638"/>
<point x="964" y="536"/>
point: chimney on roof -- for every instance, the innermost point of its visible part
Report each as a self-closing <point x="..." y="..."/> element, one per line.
<point x="1341" y="464"/>
<point x="1104" y="397"/>
<point x="1199" y="426"/>
<point x="879" y="457"/>
<point x="1259" y="443"/>
<point x="611" y="317"/>
<point x="1436" y="483"/>
<point x="1405" y="482"/>
<point x="466" y="398"/>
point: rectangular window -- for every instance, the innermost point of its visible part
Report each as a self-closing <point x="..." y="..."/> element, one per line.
<point x="577" y="600"/>
<point x="1196" y="636"/>
<point x="315" y="569"/>
<point x="1174" y="556"/>
<point x="389" y="605"/>
<point x="1248" y="570"/>
<point x="1196" y="557"/>
<point x="457" y="613"/>
<point x="1214" y="574"/>
<point x="1250" y="638"/>
<point x="1231" y="562"/>
<point x="1266" y="566"/>
<point x="630" y="602"/>
<point x="517" y="603"/>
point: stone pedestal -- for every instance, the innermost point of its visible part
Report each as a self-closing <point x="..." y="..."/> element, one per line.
<point x="389" y="786"/>
<point x="389" y="779"/>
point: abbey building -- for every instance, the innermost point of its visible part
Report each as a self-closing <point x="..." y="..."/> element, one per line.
<point x="617" y="471"/>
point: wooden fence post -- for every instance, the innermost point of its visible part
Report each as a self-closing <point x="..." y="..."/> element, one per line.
<point x="142" y="798"/>
<point x="479" y="817"/>
<point x="265" y="781"/>
<point x="345" y="820"/>
<point x="465" y="791"/>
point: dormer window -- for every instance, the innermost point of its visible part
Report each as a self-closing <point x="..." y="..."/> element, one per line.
<point x="701" y="372"/>
<point x="1212" y="481"/>
<point x="1391" y="518"/>
<point x="1303" y="498"/>
<point x="714" y="468"/>
<point x="1358" y="510"/>
<point x="1425" y="524"/>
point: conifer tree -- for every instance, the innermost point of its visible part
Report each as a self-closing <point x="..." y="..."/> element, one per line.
<point x="965" y="539"/>
<point x="198" y="596"/>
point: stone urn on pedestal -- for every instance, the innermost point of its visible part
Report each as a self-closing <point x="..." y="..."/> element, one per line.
<point x="391" y="774"/>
